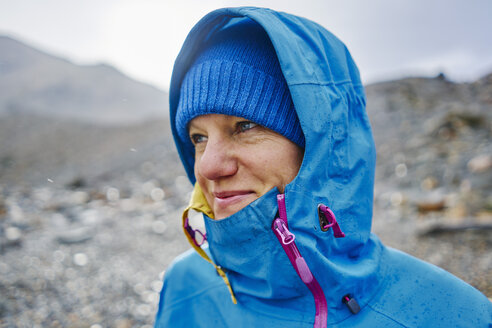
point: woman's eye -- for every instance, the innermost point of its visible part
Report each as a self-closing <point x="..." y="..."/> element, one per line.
<point x="198" y="138"/>
<point x="245" y="126"/>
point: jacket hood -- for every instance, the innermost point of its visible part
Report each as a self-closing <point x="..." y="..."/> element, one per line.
<point x="337" y="171"/>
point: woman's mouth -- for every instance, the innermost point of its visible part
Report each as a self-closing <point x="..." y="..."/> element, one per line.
<point x="226" y="199"/>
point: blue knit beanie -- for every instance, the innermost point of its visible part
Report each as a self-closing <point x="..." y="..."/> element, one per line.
<point x="237" y="73"/>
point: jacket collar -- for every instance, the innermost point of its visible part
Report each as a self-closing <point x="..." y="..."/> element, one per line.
<point x="258" y="272"/>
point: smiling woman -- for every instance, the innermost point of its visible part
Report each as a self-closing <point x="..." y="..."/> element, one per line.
<point x="238" y="113"/>
<point x="268" y="115"/>
<point x="237" y="161"/>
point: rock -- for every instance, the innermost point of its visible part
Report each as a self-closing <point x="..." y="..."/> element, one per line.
<point x="3" y="208"/>
<point x="77" y="183"/>
<point x="13" y="237"/>
<point x="75" y="235"/>
<point x="429" y="183"/>
<point x="430" y="206"/>
<point x="455" y="225"/>
<point x="480" y="163"/>
<point x="432" y="202"/>
<point x="459" y="210"/>
<point x="80" y="259"/>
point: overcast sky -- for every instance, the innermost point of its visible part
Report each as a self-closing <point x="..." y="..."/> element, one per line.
<point x="388" y="38"/>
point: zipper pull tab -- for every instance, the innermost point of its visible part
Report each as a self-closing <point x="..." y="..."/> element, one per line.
<point x="288" y="238"/>
<point x="327" y="220"/>
<point x="284" y="233"/>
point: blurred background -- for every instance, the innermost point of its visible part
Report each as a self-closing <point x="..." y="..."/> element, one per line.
<point x="91" y="187"/>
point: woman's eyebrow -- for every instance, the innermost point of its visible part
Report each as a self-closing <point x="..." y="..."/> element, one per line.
<point x="192" y="125"/>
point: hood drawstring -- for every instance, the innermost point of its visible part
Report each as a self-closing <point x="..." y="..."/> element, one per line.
<point x="351" y="303"/>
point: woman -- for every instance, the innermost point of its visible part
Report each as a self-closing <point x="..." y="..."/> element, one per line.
<point x="268" y="114"/>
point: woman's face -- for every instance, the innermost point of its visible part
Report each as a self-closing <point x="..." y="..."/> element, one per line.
<point x="238" y="161"/>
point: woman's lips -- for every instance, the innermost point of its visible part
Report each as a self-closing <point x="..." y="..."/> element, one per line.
<point x="228" y="198"/>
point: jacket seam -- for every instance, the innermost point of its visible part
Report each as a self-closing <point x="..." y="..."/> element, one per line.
<point x="387" y="316"/>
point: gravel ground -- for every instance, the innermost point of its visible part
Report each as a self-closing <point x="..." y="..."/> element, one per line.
<point x="95" y="258"/>
<point x="463" y="252"/>
<point x="86" y="261"/>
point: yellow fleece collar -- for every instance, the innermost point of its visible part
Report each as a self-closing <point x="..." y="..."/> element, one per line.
<point x="199" y="204"/>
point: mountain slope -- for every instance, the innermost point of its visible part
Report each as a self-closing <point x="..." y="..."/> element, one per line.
<point x="35" y="82"/>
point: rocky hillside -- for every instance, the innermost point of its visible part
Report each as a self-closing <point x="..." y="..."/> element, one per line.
<point x="433" y="139"/>
<point x="90" y="211"/>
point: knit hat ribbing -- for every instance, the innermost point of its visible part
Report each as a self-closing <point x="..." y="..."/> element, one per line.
<point x="237" y="73"/>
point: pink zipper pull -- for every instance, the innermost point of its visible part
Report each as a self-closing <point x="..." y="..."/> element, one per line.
<point x="288" y="238"/>
<point x="327" y="220"/>
<point x="284" y="233"/>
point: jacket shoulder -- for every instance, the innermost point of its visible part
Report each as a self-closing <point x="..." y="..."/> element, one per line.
<point x="190" y="282"/>
<point x="187" y="276"/>
<point x="417" y="294"/>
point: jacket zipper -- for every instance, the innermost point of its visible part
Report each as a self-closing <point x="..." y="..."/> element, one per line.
<point x="287" y="240"/>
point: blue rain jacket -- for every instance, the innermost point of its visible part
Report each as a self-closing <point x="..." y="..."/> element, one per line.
<point x="392" y="288"/>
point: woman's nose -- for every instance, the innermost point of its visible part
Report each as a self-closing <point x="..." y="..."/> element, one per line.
<point x="217" y="160"/>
